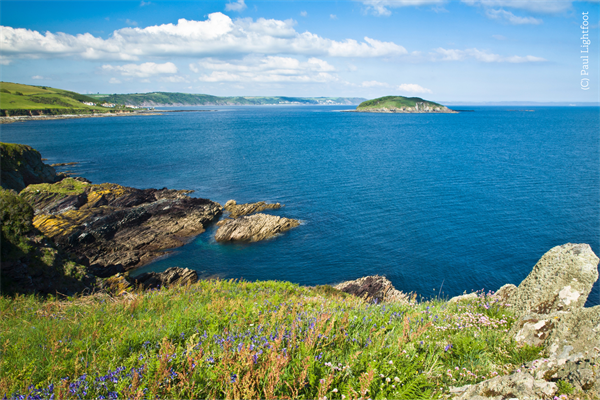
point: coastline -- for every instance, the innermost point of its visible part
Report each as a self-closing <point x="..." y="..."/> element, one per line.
<point x="23" y="118"/>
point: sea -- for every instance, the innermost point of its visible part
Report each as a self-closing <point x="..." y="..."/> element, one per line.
<point x="440" y="204"/>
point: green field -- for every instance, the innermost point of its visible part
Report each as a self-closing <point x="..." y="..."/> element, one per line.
<point x="234" y="339"/>
<point x="17" y="99"/>
<point x="395" y="102"/>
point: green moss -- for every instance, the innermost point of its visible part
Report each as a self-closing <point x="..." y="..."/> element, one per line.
<point x="67" y="186"/>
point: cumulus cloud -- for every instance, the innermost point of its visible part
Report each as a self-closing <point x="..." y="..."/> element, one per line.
<point x="382" y="7"/>
<point x="512" y="18"/>
<point x="239" y="5"/>
<point x="114" y="81"/>
<point x="266" y="69"/>
<point x="442" y="54"/>
<point x="412" y="88"/>
<point x="218" y="35"/>
<point x="37" y="77"/>
<point x="142" y="70"/>
<point x="303" y="13"/>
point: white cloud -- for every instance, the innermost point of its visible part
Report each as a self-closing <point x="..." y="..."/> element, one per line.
<point x="499" y="37"/>
<point x="37" y="77"/>
<point x="142" y="70"/>
<point x="381" y="7"/>
<point x="239" y="5"/>
<point x="442" y="54"/>
<point x="218" y="35"/>
<point x="412" y="88"/>
<point x="374" y="84"/>
<point x="130" y="22"/>
<point x="114" y="81"/>
<point x="303" y="13"/>
<point x="332" y="16"/>
<point x="537" y="6"/>
<point x="266" y="69"/>
<point x="144" y="3"/>
<point x="511" y="18"/>
<point x="193" y="68"/>
<point x="173" y="79"/>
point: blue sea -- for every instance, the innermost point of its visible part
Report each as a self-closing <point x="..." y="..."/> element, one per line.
<point x="438" y="203"/>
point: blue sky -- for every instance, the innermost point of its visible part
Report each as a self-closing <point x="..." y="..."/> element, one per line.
<point x="465" y="51"/>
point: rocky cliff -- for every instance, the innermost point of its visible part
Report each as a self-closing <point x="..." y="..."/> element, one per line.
<point x="22" y="165"/>
<point x="115" y="228"/>
<point x="31" y="263"/>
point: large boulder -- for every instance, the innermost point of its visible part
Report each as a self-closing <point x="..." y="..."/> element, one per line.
<point x="550" y="306"/>
<point x="252" y="228"/>
<point x="373" y="289"/>
<point x="560" y="281"/>
<point x="237" y="210"/>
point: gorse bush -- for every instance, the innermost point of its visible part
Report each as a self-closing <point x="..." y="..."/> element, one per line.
<point x="230" y="339"/>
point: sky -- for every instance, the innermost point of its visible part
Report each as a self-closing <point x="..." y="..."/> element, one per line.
<point x="441" y="50"/>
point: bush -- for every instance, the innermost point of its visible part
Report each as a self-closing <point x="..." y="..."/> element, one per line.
<point x="4" y="91"/>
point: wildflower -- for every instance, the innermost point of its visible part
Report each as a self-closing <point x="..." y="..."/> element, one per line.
<point x="335" y="390"/>
<point x="388" y="380"/>
<point x="396" y="379"/>
<point x="391" y="362"/>
<point x="343" y="397"/>
<point x="233" y="378"/>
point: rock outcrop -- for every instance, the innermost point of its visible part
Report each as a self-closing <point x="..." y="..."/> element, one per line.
<point x="114" y="228"/>
<point x="373" y="289"/>
<point x="520" y="385"/>
<point x="31" y="263"/>
<point x="171" y="276"/>
<point x="252" y="228"/>
<point x="549" y="304"/>
<point x="22" y="165"/>
<point x="237" y="210"/>
<point x="560" y="281"/>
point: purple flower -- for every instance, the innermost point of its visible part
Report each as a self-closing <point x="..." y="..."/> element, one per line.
<point x="233" y="378"/>
<point x="448" y="347"/>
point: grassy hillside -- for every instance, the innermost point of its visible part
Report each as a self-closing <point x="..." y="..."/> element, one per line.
<point x="17" y="99"/>
<point x="395" y="102"/>
<point x="231" y="339"/>
<point x="171" y="98"/>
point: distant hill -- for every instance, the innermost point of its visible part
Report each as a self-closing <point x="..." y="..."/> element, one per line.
<point x="17" y="99"/>
<point x="401" y="104"/>
<point x="156" y="99"/>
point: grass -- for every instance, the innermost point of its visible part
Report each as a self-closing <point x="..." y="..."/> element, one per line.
<point x="395" y="102"/>
<point x="237" y="339"/>
<point x="18" y="99"/>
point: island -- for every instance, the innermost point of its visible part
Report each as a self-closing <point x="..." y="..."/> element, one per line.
<point x="401" y="104"/>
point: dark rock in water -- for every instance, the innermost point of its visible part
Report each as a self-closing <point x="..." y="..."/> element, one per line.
<point x="253" y="228"/>
<point x="237" y="210"/>
<point x="172" y="276"/>
<point x="22" y="165"/>
<point x="373" y="288"/>
<point x="117" y="228"/>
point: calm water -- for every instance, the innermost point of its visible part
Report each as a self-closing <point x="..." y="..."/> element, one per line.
<point x="464" y="201"/>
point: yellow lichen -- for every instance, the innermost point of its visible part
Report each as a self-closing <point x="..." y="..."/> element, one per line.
<point x="60" y="225"/>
